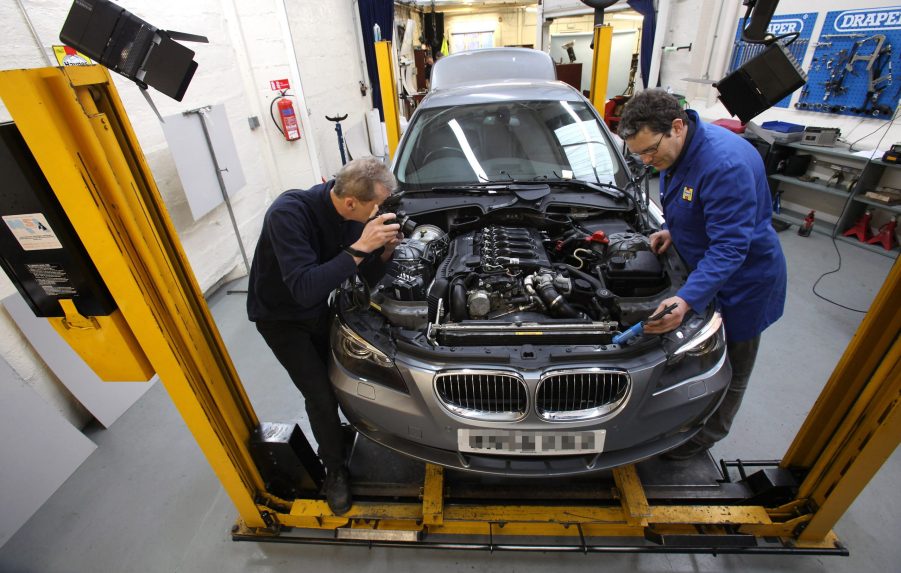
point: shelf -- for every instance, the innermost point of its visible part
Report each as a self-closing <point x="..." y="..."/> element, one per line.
<point x="810" y="185"/>
<point x="830" y="151"/>
<point x="878" y="205"/>
<point x="874" y="248"/>
<point x="797" y="219"/>
<point x="837" y="153"/>
<point x="884" y="164"/>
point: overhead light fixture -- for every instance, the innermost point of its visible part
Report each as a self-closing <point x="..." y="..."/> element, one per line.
<point x="617" y="16"/>
<point x="128" y="45"/>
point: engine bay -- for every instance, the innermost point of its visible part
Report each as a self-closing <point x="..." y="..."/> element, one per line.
<point x="461" y="280"/>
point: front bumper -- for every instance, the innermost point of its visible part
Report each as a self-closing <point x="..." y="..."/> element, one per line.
<point x="651" y="422"/>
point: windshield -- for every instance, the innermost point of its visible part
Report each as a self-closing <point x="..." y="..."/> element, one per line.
<point x="506" y="141"/>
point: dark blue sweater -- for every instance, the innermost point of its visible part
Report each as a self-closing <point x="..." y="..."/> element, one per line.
<point x="298" y="260"/>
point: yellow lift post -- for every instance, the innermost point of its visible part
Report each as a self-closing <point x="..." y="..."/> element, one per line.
<point x="75" y="126"/>
<point x="600" y="66"/>
<point x="384" y="58"/>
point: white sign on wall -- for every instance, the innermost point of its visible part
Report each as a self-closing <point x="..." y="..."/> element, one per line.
<point x="193" y="160"/>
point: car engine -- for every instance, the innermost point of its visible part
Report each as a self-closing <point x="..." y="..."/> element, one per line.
<point x="485" y="285"/>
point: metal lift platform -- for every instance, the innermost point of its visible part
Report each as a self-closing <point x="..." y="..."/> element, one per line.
<point x="80" y="140"/>
<point x="400" y="501"/>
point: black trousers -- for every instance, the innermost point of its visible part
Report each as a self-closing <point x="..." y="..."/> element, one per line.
<point x="742" y="355"/>
<point x="302" y="347"/>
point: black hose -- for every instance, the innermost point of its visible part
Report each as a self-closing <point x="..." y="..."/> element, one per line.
<point x="458" y="301"/>
<point x="555" y="302"/>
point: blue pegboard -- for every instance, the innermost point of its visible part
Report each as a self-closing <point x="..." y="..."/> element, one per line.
<point x="834" y="88"/>
<point x="802" y="24"/>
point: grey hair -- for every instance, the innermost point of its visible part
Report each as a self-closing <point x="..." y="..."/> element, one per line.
<point x="653" y="109"/>
<point x="357" y="179"/>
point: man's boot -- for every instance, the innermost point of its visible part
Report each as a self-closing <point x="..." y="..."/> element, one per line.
<point x="337" y="491"/>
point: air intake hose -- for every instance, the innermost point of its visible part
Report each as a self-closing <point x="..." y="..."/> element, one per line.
<point x="553" y="299"/>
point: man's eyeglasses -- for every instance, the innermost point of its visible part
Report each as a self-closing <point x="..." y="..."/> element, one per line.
<point x="652" y="149"/>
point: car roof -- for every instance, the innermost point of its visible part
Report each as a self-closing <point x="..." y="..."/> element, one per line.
<point x="499" y="91"/>
<point x="492" y="64"/>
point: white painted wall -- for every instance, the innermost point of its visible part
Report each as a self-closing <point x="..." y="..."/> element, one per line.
<point x="325" y="36"/>
<point x="250" y="44"/>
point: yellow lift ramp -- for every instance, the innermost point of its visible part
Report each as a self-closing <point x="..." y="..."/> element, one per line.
<point x="84" y="155"/>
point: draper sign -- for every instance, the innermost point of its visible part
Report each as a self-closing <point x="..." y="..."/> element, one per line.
<point x="786" y="26"/>
<point x="873" y="19"/>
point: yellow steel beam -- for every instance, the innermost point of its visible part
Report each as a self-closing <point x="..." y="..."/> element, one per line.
<point x="632" y="497"/>
<point x="77" y="130"/>
<point x="868" y="439"/>
<point x="106" y="343"/>
<point x="851" y="376"/>
<point x="600" y="66"/>
<point x="433" y="495"/>
<point x="527" y="520"/>
<point x="710" y="514"/>
<point x="384" y="58"/>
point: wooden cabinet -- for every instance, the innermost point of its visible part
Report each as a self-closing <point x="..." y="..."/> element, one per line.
<point x="571" y="74"/>
<point x="419" y="60"/>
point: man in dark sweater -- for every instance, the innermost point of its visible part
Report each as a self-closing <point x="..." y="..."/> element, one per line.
<point x="312" y="241"/>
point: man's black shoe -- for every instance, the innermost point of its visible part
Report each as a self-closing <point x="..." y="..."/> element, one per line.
<point x="337" y="491"/>
<point x="686" y="451"/>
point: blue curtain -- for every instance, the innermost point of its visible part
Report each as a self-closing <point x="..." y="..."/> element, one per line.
<point x="374" y="12"/>
<point x="646" y="9"/>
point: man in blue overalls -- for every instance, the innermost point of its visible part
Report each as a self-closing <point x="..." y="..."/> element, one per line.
<point x="718" y="209"/>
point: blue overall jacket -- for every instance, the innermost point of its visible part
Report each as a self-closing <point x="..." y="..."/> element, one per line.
<point x="718" y="209"/>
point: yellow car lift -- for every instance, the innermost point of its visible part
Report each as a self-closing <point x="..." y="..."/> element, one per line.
<point x="76" y="128"/>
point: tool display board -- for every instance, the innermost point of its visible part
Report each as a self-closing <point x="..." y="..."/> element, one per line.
<point x="802" y="24"/>
<point x="851" y="72"/>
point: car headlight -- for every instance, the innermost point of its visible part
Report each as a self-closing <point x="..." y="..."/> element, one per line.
<point x="705" y="340"/>
<point x="698" y="354"/>
<point x="364" y="360"/>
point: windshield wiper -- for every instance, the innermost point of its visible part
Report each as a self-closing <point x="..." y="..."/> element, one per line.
<point x="480" y="188"/>
<point x="608" y="189"/>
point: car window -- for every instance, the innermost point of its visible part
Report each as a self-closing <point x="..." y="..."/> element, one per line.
<point x="506" y="140"/>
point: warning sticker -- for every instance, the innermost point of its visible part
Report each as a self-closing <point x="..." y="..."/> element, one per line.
<point x="53" y="279"/>
<point x="32" y="231"/>
<point x="66" y="56"/>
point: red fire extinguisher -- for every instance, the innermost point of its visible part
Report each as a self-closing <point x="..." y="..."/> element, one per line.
<point x="290" y="127"/>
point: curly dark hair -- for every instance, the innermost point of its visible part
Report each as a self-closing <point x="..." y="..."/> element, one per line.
<point x="654" y="109"/>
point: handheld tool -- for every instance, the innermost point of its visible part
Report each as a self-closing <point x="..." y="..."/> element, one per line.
<point x="637" y="329"/>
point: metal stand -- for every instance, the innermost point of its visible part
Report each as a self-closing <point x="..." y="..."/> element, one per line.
<point x="201" y="114"/>
<point x="338" y="119"/>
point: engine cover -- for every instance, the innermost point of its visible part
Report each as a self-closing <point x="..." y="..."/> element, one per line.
<point x="494" y="249"/>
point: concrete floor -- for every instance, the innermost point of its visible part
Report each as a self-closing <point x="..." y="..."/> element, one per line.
<point x="147" y="501"/>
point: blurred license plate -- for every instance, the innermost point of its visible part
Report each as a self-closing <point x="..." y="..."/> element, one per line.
<point x="530" y="443"/>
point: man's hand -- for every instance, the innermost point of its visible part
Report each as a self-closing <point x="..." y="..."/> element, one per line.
<point x="377" y="234"/>
<point x="390" y="246"/>
<point x="670" y="321"/>
<point x="660" y="241"/>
